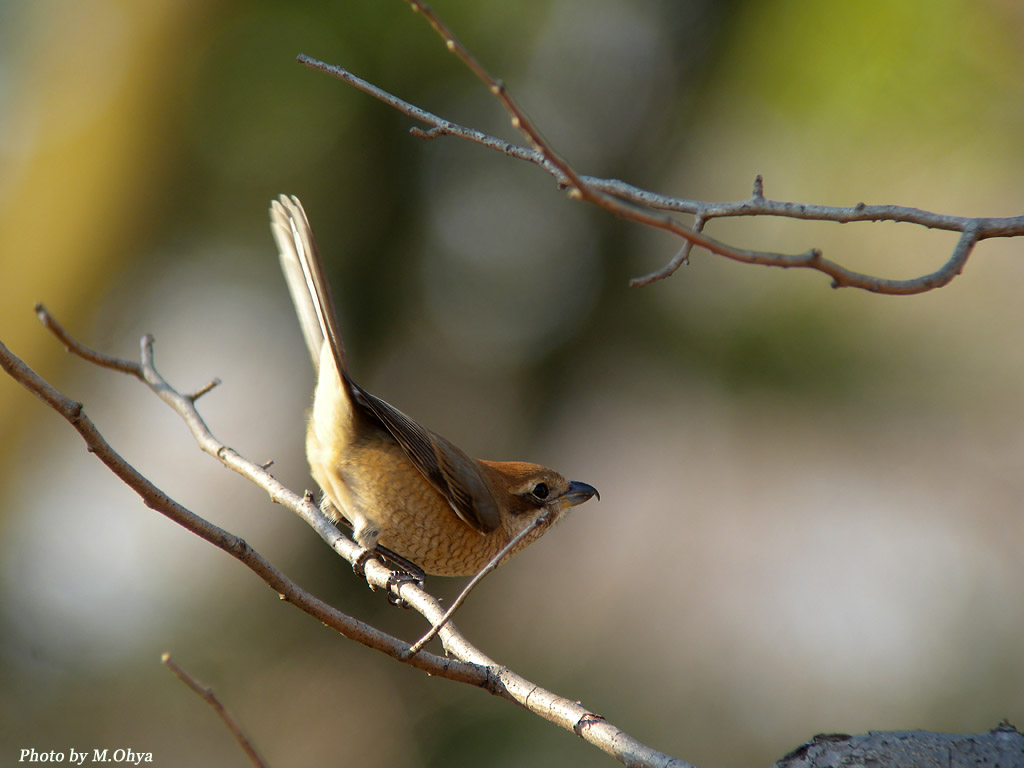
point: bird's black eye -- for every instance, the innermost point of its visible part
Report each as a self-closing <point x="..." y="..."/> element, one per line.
<point x="540" y="491"/>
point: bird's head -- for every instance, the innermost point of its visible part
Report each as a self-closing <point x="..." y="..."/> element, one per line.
<point x="524" y="491"/>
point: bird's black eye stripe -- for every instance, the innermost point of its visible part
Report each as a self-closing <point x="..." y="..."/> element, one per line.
<point x="540" y="491"/>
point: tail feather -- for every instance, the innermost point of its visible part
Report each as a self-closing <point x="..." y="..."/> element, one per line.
<point x="303" y="271"/>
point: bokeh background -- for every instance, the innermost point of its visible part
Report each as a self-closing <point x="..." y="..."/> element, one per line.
<point x="811" y="499"/>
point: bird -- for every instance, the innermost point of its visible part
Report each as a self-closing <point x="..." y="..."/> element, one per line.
<point x="399" y="485"/>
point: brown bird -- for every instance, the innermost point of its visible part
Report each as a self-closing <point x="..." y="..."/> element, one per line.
<point x="397" y="483"/>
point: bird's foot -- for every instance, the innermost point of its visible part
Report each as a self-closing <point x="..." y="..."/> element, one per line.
<point x="395" y="582"/>
<point x="406" y="572"/>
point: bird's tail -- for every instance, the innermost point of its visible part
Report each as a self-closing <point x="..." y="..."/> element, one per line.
<point x="303" y="271"/>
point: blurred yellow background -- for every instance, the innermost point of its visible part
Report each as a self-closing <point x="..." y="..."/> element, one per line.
<point x="811" y="499"/>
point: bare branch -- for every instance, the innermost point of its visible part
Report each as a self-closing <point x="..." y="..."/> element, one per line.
<point x="207" y="695"/>
<point x="577" y="186"/>
<point x="156" y="499"/>
<point x="649" y="209"/>
<point x="466" y="663"/>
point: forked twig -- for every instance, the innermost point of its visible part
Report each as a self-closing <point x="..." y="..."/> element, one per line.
<point x="646" y="208"/>
<point x="159" y="501"/>
<point x="466" y="663"/>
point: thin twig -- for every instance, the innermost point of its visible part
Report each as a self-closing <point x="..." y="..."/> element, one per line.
<point x="494" y="562"/>
<point x="213" y="383"/>
<point x="207" y="695"/>
<point x="682" y="257"/>
<point x="74" y="347"/>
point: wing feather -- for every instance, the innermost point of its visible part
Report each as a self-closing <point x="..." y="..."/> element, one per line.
<point x="453" y="474"/>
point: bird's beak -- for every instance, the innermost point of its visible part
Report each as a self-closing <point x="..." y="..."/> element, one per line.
<point x="577" y="494"/>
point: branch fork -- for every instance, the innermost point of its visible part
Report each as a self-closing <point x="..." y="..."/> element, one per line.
<point x="463" y="662"/>
<point x="648" y="209"/>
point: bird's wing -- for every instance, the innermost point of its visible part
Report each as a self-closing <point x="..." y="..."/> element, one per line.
<point x="451" y="472"/>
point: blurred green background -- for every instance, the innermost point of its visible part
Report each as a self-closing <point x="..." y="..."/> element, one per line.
<point x="811" y="500"/>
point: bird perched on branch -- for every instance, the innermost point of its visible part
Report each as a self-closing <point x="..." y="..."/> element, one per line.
<point x="397" y="483"/>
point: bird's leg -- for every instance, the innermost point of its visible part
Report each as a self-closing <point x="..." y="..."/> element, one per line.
<point x="363" y="535"/>
<point x="409" y="569"/>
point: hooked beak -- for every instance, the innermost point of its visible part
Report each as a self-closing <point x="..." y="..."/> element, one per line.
<point x="577" y="494"/>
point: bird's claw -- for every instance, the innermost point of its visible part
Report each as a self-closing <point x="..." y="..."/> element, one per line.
<point x="359" y="564"/>
<point x="395" y="581"/>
